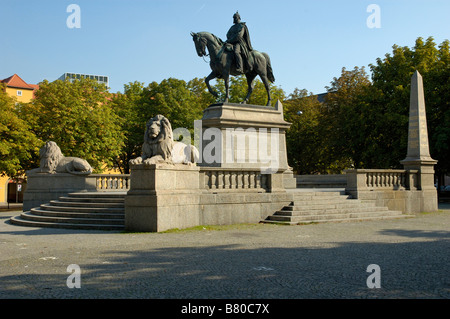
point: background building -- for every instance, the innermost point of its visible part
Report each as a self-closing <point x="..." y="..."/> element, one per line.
<point x="19" y="89"/>
<point x="11" y="189"/>
<point x="74" y="76"/>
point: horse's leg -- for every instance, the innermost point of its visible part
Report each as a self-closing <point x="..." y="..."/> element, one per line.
<point x="211" y="76"/>
<point x="250" y="77"/>
<point x="266" y="82"/>
<point x="226" y="78"/>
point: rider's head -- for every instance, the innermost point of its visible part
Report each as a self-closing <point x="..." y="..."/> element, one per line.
<point x="236" y="17"/>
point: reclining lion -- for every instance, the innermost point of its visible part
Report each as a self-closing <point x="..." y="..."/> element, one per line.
<point x="52" y="161"/>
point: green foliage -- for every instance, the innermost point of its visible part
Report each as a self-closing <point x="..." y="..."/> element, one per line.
<point x="79" y="118"/>
<point x="363" y="122"/>
<point x="125" y="105"/>
<point x="180" y="101"/>
<point x="391" y="79"/>
<point x="352" y="121"/>
<point x="17" y="143"/>
<point x="305" y="139"/>
<point x="239" y="87"/>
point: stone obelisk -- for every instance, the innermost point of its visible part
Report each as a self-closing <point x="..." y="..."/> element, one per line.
<point x="418" y="148"/>
<point x="418" y="155"/>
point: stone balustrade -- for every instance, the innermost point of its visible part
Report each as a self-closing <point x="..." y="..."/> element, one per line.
<point x="396" y="189"/>
<point x="394" y="179"/>
<point x="233" y="179"/>
<point x="112" y="182"/>
<point x="376" y="179"/>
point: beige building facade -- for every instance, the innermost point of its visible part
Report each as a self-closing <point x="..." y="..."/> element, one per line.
<point x="11" y="190"/>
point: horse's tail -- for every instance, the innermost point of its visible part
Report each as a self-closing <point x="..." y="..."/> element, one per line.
<point x="270" y="75"/>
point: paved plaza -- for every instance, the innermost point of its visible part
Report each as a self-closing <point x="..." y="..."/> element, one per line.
<point x="258" y="261"/>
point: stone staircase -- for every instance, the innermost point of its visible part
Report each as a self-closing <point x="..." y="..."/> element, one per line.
<point x="84" y="210"/>
<point x="106" y="211"/>
<point x="330" y="206"/>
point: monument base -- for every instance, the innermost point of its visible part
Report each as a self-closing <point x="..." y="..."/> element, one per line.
<point x="241" y="176"/>
<point x="42" y="187"/>
<point x="164" y="196"/>
<point x="427" y="196"/>
<point x="244" y="136"/>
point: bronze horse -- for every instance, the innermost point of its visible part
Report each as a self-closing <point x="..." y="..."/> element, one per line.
<point x="222" y="64"/>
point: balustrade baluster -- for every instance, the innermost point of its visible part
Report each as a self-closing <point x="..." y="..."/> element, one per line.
<point x="251" y="180"/>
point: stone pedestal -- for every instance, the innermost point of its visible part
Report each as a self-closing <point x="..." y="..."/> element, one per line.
<point x="162" y="197"/>
<point x="410" y="190"/>
<point x="240" y="136"/>
<point x="42" y="187"/>
<point x="241" y="176"/>
<point x="418" y="156"/>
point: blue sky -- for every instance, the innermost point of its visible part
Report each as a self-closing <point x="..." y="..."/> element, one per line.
<point x="149" y="40"/>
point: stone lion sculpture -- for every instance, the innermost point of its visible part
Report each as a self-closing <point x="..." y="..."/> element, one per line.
<point x="52" y="161"/>
<point x="159" y="146"/>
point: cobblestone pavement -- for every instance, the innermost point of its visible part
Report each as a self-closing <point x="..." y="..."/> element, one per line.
<point x="240" y="262"/>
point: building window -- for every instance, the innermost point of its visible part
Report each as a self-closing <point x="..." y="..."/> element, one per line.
<point x="19" y="93"/>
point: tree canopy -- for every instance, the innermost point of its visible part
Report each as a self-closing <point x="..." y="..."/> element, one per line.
<point x="79" y="118"/>
<point x="17" y="143"/>
<point x="391" y="78"/>
<point x="361" y="123"/>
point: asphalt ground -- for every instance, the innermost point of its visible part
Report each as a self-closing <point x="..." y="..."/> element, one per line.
<point x="239" y="262"/>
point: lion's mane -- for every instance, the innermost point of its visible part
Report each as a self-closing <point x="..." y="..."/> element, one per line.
<point x="162" y="148"/>
<point x="156" y="149"/>
<point x="163" y="143"/>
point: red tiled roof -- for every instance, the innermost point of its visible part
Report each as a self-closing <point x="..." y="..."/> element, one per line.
<point x="16" y="82"/>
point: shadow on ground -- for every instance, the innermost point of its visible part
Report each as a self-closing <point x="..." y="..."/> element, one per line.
<point x="413" y="269"/>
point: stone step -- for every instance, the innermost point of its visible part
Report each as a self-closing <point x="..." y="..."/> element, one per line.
<point x="334" y="216"/>
<point x="93" y="199"/>
<point x="92" y="209"/>
<point x="71" y="220"/>
<point x="329" y="206"/>
<point x="98" y="195"/>
<point x="299" y="212"/>
<point x="319" y="206"/>
<point x="343" y="220"/>
<point x="17" y="220"/>
<point x="325" y="201"/>
<point x="92" y="203"/>
<point x="83" y="210"/>
<point x="107" y="215"/>
<point x="318" y="194"/>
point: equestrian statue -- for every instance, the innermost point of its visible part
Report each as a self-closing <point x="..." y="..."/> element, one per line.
<point x="235" y="56"/>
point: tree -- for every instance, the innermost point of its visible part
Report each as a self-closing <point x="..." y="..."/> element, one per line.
<point x="239" y="88"/>
<point x="180" y="101"/>
<point x="356" y="122"/>
<point x="198" y="88"/>
<point x="392" y="76"/>
<point x="305" y="141"/>
<point x="79" y="118"/>
<point x="175" y="99"/>
<point x="17" y="142"/>
<point x="367" y="121"/>
<point x="126" y="107"/>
